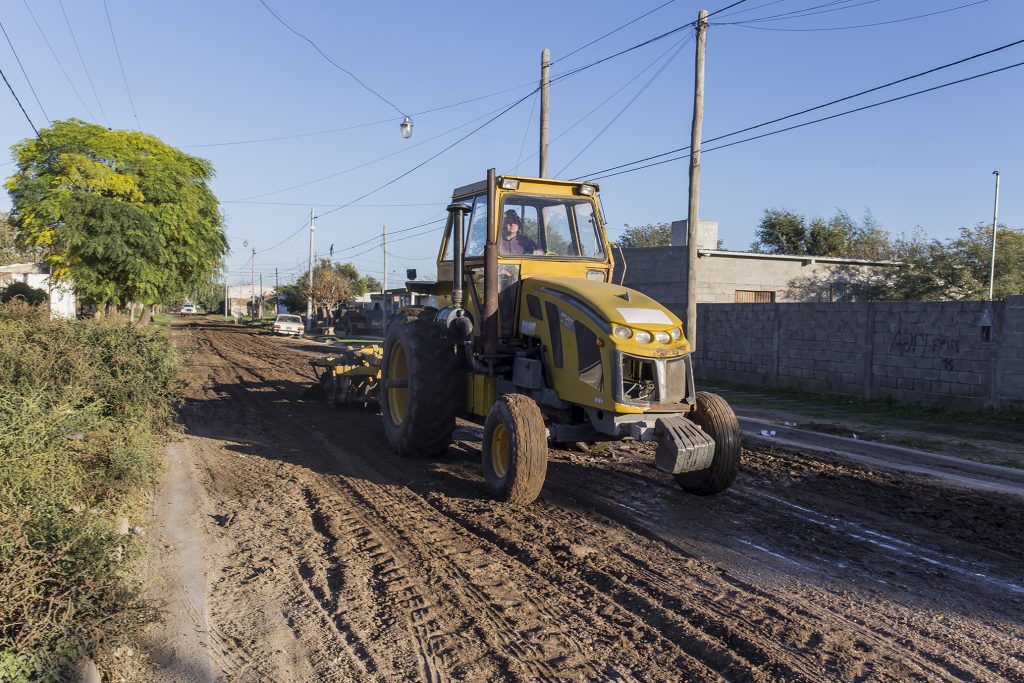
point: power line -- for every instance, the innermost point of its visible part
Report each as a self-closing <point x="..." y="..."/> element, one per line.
<point x="823" y="8"/>
<point x="613" y="31"/>
<point x="717" y="11"/>
<point x="19" y="103"/>
<point x="82" y="60"/>
<point x="23" y="73"/>
<point x="328" y="57"/>
<point x="124" y="76"/>
<point x="847" y="28"/>
<point x="678" y="48"/>
<point x="59" y="63"/>
<point x="820" y="106"/>
<point x="826" y="118"/>
<point x="401" y="150"/>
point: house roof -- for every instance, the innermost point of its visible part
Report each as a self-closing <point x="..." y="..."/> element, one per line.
<point x="25" y="268"/>
<point x="793" y="257"/>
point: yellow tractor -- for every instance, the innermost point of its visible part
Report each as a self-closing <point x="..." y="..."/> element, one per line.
<point x="532" y="339"/>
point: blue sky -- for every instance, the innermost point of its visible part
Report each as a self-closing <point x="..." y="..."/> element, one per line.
<point x="202" y="74"/>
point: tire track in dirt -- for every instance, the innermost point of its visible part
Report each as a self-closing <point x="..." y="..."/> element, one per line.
<point x="585" y="585"/>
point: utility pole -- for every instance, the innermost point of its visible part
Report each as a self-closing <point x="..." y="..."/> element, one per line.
<point x="277" y="293"/>
<point x="252" y="283"/>
<point x="309" y="298"/>
<point x="226" y="292"/>
<point x="693" y="210"/>
<point x="261" y="296"/>
<point x="384" y="291"/>
<point x="995" y="218"/>
<point x="545" y="90"/>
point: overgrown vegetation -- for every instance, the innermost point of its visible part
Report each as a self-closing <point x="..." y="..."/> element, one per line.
<point x="82" y="406"/>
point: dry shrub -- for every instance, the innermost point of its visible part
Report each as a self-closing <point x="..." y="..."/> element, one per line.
<point x="81" y="406"/>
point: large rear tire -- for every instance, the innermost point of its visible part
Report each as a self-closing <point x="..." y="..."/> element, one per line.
<point x="420" y="381"/>
<point x="716" y="418"/>
<point x="515" y="450"/>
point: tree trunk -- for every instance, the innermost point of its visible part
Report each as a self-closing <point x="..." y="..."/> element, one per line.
<point x="109" y="309"/>
<point x="144" y="315"/>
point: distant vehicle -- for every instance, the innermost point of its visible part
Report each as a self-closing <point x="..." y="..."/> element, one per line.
<point x="189" y="309"/>
<point x="288" y="324"/>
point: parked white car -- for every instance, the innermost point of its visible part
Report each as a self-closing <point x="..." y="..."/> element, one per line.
<point x="189" y="309"/>
<point x="287" y="323"/>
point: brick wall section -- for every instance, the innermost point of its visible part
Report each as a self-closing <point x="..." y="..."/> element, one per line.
<point x="913" y="352"/>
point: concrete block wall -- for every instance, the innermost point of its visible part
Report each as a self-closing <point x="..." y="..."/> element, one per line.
<point x="932" y="353"/>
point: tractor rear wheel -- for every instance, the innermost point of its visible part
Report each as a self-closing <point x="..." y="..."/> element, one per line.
<point x="515" y="450"/>
<point x="419" y="393"/>
<point x="716" y="418"/>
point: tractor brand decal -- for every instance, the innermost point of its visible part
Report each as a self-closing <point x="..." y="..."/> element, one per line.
<point x="529" y="328"/>
<point x="566" y="320"/>
<point x="598" y="400"/>
<point x="644" y="316"/>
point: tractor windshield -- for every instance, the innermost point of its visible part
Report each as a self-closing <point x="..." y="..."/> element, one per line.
<point x="552" y="227"/>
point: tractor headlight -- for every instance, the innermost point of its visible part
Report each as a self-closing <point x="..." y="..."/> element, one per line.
<point x="676" y="333"/>
<point x="643" y="337"/>
<point x="622" y="332"/>
<point x="662" y="337"/>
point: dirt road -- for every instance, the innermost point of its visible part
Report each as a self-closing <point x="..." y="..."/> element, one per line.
<point x="326" y="557"/>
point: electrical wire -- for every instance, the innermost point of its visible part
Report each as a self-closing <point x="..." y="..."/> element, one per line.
<point x="823" y="8"/>
<point x="328" y="57"/>
<point x="403" y="149"/>
<point x="847" y="28"/>
<point x="88" y="76"/>
<point x="529" y="124"/>
<point x="25" y="74"/>
<point x="124" y="76"/>
<point x="826" y="118"/>
<point x="20" y="106"/>
<point x="613" y="31"/>
<point x="820" y="106"/>
<point x="59" y="63"/>
<point x="677" y="49"/>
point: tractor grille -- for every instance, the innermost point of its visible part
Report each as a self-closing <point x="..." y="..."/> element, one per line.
<point x="647" y="380"/>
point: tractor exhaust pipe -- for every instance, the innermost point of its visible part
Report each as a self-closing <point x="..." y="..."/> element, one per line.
<point x="490" y="316"/>
<point x="458" y="212"/>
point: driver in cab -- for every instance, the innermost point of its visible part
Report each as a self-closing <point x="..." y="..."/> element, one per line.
<point x="514" y="243"/>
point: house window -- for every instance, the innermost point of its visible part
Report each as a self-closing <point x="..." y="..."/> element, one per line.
<point x="749" y="296"/>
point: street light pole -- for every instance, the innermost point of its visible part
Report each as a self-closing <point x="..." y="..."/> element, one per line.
<point x="309" y="297"/>
<point x="995" y="218"/>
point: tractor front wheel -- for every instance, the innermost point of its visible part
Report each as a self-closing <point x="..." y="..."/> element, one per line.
<point x="515" y="450"/>
<point x="716" y="418"/>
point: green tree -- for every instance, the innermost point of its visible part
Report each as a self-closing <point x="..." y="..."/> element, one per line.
<point x="9" y="252"/>
<point x="120" y="215"/>
<point x="650" y="235"/>
<point x="781" y="232"/>
<point x="20" y="290"/>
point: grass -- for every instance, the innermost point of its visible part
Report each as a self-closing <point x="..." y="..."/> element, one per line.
<point x="83" y="405"/>
<point x="878" y="412"/>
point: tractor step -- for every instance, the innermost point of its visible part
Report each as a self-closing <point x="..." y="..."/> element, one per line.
<point x="682" y="445"/>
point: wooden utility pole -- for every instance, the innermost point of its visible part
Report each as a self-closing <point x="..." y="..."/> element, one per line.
<point x="252" y="284"/>
<point x="261" y="296"/>
<point x="692" y="219"/>
<point x="384" y="291"/>
<point x="545" y="90"/>
<point x="309" y="298"/>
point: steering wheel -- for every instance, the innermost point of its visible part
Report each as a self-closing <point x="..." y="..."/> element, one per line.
<point x="550" y="253"/>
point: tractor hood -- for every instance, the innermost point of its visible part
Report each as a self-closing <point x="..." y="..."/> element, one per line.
<point x="615" y="304"/>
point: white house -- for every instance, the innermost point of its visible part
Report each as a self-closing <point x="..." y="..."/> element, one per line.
<point x="63" y="303"/>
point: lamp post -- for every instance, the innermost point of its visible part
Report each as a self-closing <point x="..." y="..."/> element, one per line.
<point x="406" y="127"/>
<point x="995" y="218"/>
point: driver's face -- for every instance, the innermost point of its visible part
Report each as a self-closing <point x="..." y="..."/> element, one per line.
<point x="511" y="227"/>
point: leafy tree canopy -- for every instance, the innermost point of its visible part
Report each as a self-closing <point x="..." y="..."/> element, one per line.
<point x="119" y="214"/>
<point x="785" y="232"/>
<point x="650" y="235"/>
<point x="9" y="252"/>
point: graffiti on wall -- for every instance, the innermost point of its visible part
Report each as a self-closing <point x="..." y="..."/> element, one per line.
<point x="926" y="346"/>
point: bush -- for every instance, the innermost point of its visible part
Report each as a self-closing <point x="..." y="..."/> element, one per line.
<point x="82" y="404"/>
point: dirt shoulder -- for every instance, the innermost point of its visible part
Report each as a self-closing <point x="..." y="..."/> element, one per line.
<point x="325" y="557"/>
<point x="984" y="438"/>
